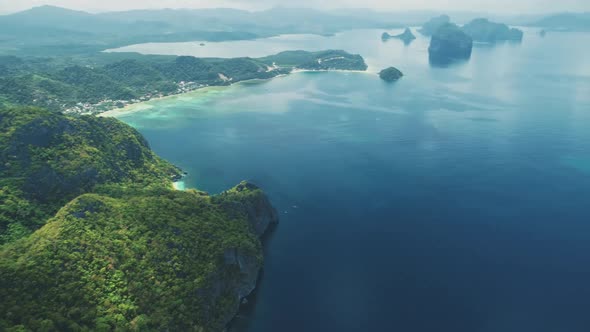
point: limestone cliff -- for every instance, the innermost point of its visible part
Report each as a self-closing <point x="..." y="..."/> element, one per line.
<point x="448" y="44"/>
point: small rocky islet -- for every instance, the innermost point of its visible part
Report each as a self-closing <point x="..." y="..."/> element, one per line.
<point x="111" y="246"/>
<point x="448" y="44"/>
<point x="390" y="74"/>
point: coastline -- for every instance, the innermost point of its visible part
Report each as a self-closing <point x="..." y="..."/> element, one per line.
<point x="144" y="105"/>
<point x="179" y="185"/>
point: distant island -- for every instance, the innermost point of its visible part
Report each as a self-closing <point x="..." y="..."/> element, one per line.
<point x="94" y="238"/>
<point x="54" y="31"/>
<point x="449" y="43"/>
<point x="407" y="36"/>
<point x="564" y="22"/>
<point x="430" y="27"/>
<point x="323" y="60"/>
<point x="482" y="30"/>
<point x="102" y="82"/>
<point x="390" y="74"/>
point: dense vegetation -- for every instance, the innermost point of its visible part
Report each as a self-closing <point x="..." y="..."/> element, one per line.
<point x="134" y="260"/>
<point x="129" y="253"/>
<point x="64" y="82"/>
<point x="47" y="159"/>
<point x="323" y="60"/>
<point x="479" y="29"/>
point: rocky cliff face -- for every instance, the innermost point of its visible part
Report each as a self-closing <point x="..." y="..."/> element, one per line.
<point x="47" y="159"/>
<point x="261" y="216"/>
<point x="448" y="44"/>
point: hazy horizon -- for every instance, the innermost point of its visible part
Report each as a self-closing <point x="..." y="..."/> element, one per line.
<point x="493" y="7"/>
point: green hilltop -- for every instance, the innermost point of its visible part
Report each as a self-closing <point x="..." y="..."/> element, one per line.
<point x="92" y="235"/>
<point x="99" y="82"/>
<point x="47" y="159"/>
<point x="96" y="239"/>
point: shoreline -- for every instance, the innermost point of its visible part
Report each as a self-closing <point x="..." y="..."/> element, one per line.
<point x="179" y="185"/>
<point x="144" y="105"/>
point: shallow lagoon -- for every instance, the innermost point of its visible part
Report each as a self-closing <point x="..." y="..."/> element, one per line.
<point x="457" y="199"/>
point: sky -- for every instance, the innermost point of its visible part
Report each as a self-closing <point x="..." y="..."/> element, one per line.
<point x="496" y="6"/>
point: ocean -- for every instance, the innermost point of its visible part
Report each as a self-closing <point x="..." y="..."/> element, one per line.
<point x="456" y="199"/>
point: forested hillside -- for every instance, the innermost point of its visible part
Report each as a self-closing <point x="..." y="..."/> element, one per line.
<point x="94" y="83"/>
<point x="95" y="238"/>
<point x="47" y="159"/>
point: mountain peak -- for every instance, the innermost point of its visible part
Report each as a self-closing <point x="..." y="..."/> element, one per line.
<point x="50" y="10"/>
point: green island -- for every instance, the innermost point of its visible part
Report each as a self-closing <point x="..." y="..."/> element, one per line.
<point x="95" y="238"/>
<point x="91" y="84"/>
<point x="429" y="28"/>
<point x="479" y="29"/>
<point x="48" y="159"/>
<point x="407" y="36"/>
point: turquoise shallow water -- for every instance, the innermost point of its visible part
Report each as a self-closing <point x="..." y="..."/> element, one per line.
<point x="457" y="199"/>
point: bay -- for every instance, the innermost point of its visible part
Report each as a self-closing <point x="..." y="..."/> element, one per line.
<point x="457" y="199"/>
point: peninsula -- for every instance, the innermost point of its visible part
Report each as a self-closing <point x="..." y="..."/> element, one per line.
<point x="101" y="82"/>
<point x="407" y="36"/>
<point x="95" y="238"/>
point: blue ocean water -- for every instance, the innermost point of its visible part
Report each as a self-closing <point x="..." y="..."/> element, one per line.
<point x="457" y="199"/>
